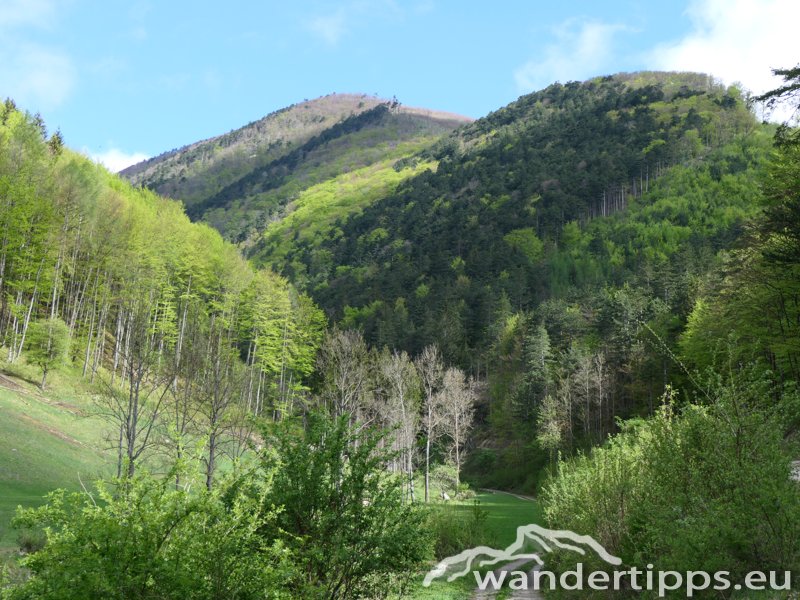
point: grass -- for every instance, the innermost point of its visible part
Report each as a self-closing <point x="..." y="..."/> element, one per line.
<point x="505" y="512"/>
<point x="49" y="440"/>
<point x="442" y="590"/>
<point x="46" y="442"/>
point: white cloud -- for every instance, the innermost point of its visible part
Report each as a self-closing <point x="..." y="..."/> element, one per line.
<point x="329" y="28"/>
<point x="24" y="13"/>
<point x="115" y="160"/>
<point x="583" y="48"/>
<point x="38" y="78"/>
<point x="737" y="41"/>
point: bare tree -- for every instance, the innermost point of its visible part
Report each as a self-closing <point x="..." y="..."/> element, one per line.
<point x="186" y="384"/>
<point x="343" y="361"/>
<point x="221" y="381"/>
<point x="401" y="388"/>
<point x="135" y="406"/>
<point x="430" y="369"/>
<point x="457" y="400"/>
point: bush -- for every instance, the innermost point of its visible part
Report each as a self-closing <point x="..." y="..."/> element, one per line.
<point x="443" y="479"/>
<point x="465" y="492"/>
<point x="141" y="538"/>
<point x="456" y="530"/>
<point x="343" y="516"/>
<point x="704" y="488"/>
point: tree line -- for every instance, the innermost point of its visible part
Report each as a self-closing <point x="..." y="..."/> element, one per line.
<point x="195" y="359"/>
<point x="430" y="407"/>
<point x="707" y="482"/>
<point x="181" y="336"/>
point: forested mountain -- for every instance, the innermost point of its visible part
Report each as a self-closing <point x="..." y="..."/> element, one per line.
<point x="591" y="295"/>
<point x="154" y="309"/>
<point x="241" y="181"/>
<point x="578" y="224"/>
<point x="513" y="201"/>
<point x="555" y="247"/>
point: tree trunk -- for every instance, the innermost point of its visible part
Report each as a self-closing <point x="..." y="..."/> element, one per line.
<point x="427" y="467"/>
<point x="211" y="463"/>
<point x="411" y="475"/>
<point x="30" y="311"/>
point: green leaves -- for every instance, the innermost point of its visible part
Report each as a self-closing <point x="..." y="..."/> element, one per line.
<point x="526" y="241"/>
<point x="140" y="538"/>
<point x="703" y="488"/>
<point x="48" y="344"/>
<point x="343" y="515"/>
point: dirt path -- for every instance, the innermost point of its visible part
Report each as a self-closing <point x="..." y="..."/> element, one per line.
<point x="514" y="565"/>
<point x="10" y="384"/>
<point x="513" y="495"/>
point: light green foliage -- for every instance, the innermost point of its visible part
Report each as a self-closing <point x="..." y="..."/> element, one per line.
<point x="48" y="344"/>
<point x="116" y="273"/>
<point x="526" y="241"/>
<point x="315" y="211"/>
<point x="702" y="488"/>
<point x="343" y="517"/>
<point x="755" y="310"/>
<point x="140" y="538"/>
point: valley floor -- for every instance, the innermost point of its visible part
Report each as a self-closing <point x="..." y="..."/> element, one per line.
<point x="505" y="512"/>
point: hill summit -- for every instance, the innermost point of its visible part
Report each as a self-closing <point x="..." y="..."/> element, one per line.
<point x="240" y="181"/>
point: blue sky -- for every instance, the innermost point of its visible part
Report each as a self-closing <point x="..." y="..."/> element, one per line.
<point x="127" y="80"/>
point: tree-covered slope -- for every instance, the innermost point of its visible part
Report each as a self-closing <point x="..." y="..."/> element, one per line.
<point x="583" y="184"/>
<point x="177" y="335"/>
<point x="202" y="168"/>
<point x="242" y="181"/>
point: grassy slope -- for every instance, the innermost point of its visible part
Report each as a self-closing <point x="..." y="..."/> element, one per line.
<point x="46" y="442"/>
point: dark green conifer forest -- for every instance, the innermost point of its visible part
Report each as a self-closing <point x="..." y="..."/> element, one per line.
<point x="299" y="378"/>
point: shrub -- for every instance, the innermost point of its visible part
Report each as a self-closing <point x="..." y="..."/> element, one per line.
<point x="343" y="516"/>
<point x="703" y="488"/>
<point x="141" y="538"/>
<point x="456" y="530"/>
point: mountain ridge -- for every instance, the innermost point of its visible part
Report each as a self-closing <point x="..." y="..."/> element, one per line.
<point x="493" y="223"/>
<point x="236" y="181"/>
<point x="337" y="104"/>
